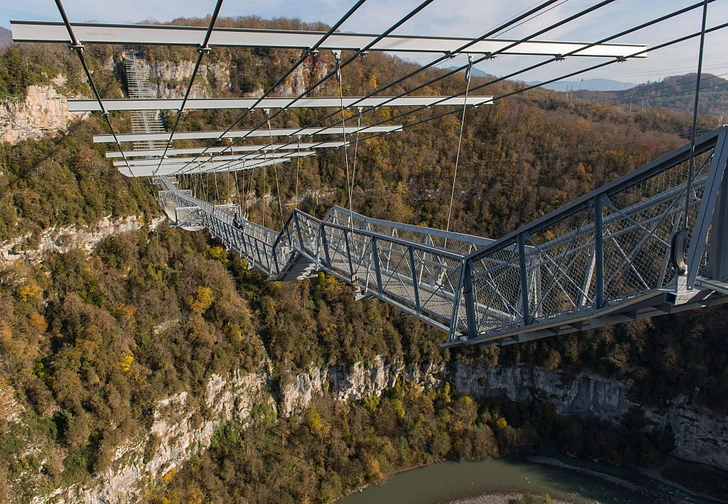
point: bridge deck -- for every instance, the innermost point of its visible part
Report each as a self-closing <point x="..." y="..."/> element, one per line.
<point x="605" y="258"/>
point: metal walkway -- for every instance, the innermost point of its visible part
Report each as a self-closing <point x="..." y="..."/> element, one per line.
<point x="603" y="259"/>
<point x="139" y="87"/>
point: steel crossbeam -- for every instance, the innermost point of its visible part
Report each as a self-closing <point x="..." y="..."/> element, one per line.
<point x="602" y="259"/>
<point x="30" y="31"/>
<point x="157" y="104"/>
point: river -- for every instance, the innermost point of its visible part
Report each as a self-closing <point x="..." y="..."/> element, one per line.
<point x="484" y="481"/>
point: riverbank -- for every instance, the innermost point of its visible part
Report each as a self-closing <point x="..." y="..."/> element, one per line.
<point x="497" y="481"/>
<point x="500" y="499"/>
<point x="549" y="461"/>
<point x="705" y="482"/>
<point x="680" y="492"/>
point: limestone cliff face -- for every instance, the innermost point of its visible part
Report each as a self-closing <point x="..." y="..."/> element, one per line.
<point x="176" y="434"/>
<point x="66" y="238"/>
<point x="43" y="112"/>
<point x="701" y="436"/>
<point x="352" y="382"/>
<point x="171" y="78"/>
<point x="587" y="396"/>
<point x="183" y="426"/>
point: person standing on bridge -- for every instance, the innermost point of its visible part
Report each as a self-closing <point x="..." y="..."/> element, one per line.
<point x="237" y="221"/>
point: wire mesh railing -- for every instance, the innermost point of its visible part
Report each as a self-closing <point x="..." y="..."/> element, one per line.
<point x="612" y="247"/>
<point x="604" y="254"/>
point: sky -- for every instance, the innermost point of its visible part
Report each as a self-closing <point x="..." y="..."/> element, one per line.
<point x="461" y="18"/>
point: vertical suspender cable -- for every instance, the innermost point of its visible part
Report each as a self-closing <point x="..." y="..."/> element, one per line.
<point x="248" y="190"/>
<point x="217" y="189"/>
<point x="691" y="164"/>
<point x="275" y="165"/>
<point x="337" y="55"/>
<point x="353" y="171"/>
<point x="298" y="167"/>
<point x="237" y="187"/>
<point x="460" y="140"/>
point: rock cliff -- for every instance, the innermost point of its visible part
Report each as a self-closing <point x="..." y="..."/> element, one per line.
<point x="43" y="112"/>
<point x="66" y="238"/>
<point x="701" y="436"/>
<point x="176" y="434"/>
<point x="182" y="427"/>
<point x="171" y="78"/>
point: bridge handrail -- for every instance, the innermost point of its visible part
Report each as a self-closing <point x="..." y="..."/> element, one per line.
<point x="604" y="256"/>
<point x="543" y="285"/>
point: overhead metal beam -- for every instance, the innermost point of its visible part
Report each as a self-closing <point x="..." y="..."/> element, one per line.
<point x="157" y="153"/>
<point x="209" y="135"/>
<point x="34" y="31"/>
<point x="217" y="159"/>
<point x="273" y="103"/>
<point x="149" y="171"/>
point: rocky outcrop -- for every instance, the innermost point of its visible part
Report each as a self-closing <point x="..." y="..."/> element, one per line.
<point x="63" y="239"/>
<point x="176" y="434"/>
<point x="587" y="395"/>
<point x="352" y="382"/>
<point x="43" y="112"/>
<point x="701" y="436"/>
<point x="10" y="409"/>
<point x="171" y="78"/>
<point x="183" y="426"/>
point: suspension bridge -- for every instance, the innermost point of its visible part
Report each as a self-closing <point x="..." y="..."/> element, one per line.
<point x="652" y="242"/>
<point x="611" y="256"/>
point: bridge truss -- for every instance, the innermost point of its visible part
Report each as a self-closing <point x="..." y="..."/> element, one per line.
<point x="611" y="256"/>
<point x="650" y="243"/>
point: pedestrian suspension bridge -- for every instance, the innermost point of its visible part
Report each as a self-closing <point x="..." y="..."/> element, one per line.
<point x="619" y="253"/>
<point x="653" y="242"/>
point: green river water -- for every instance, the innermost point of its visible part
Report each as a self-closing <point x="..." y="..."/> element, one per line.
<point x="450" y="481"/>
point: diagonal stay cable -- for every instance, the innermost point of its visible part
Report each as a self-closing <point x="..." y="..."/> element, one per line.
<point x="470" y="43"/>
<point x="641" y="26"/>
<point x="389" y="31"/>
<point x="595" y="67"/>
<point x="516" y="25"/>
<point x="537" y="65"/>
<point x="203" y="49"/>
<point x="339" y="66"/>
<point x="306" y="54"/>
<point x="78" y="48"/>
<point x="492" y="55"/>
<point x="541" y="64"/>
<point x="561" y="77"/>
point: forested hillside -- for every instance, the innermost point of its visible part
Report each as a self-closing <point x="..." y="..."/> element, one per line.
<point x="90" y="342"/>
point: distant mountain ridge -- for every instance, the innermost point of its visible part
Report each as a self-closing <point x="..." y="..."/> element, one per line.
<point x="590" y="85"/>
<point x="675" y="92"/>
<point x="475" y="72"/>
<point x="6" y="37"/>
